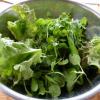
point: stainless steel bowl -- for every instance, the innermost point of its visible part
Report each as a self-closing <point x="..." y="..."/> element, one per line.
<point x="55" y="7"/>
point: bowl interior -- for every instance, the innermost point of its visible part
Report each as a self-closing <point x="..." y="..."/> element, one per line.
<point x="54" y="8"/>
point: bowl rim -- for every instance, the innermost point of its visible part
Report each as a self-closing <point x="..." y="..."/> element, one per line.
<point x="82" y="96"/>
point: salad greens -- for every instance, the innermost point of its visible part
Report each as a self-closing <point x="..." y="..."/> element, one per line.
<point x="94" y="52"/>
<point x="44" y="56"/>
<point x="17" y="56"/>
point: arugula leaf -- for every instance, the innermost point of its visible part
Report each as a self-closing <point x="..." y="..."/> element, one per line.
<point x="57" y="78"/>
<point x="34" y="85"/>
<point x="70" y="76"/>
<point x="42" y="90"/>
<point x="74" y="59"/>
<point x="63" y="62"/>
<point x="50" y="79"/>
<point x="53" y="65"/>
<point x="54" y="90"/>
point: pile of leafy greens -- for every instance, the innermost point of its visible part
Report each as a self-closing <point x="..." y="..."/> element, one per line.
<point x="44" y="56"/>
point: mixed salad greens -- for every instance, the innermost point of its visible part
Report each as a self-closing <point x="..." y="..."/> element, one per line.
<point x="46" y="54"/>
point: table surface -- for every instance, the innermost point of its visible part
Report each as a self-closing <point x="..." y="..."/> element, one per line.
<point x="94" y="4"/>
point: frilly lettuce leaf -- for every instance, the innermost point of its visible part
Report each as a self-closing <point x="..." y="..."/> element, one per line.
<point x="24" y="27"/>
<point x="94" y="52"/>
<point x="17" y="56"/>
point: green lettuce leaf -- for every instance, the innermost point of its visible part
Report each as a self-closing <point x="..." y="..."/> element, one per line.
<point x="94" y="52"/>
<point x="24" y="27"/>
<point x="17" y="56"/>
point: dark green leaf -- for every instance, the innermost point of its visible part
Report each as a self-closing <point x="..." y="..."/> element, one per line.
<point x="57" y="77"/>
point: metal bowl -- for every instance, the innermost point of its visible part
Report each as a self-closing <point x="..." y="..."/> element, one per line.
<point x="55" y="8"/>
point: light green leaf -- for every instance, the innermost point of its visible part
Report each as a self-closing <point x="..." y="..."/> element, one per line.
<point x="70" y="76"/>
<point x="94" y="52"/>
<point x="24" y="67"/>
<point x="17" y="29"/>
<point x="53" y="64"/>
<point x="24" y="12"/>
<point x="50" y="79"/>
<point x="54" y="90"/>
<point x="34" y="85"/>
<point x="74" y="59"/>
<point x="42" y="90"/>
<point x="17" y="55"/>
<point x="84" y="21"/>
<point x="63" y="62"/>
<point x="24" y="27"/>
